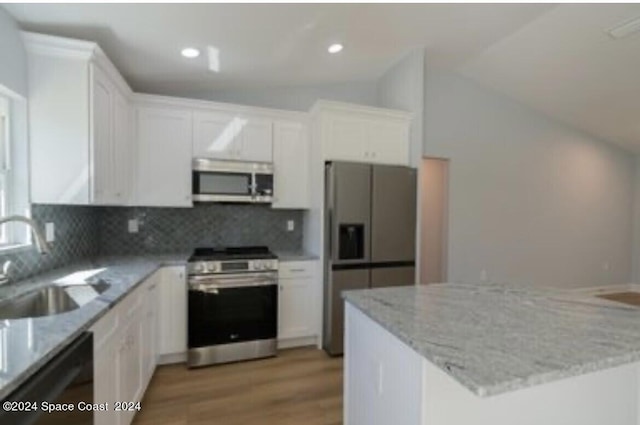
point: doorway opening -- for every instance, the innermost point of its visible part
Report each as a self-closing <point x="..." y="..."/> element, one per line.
<point x="434" y="220"/>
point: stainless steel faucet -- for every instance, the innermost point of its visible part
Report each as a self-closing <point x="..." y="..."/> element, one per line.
<point x="39" y="240"/>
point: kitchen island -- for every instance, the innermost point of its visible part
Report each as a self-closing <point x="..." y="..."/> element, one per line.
<point x="453" y="354"/>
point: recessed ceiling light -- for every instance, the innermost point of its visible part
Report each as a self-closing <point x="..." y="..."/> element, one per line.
<point x="190" y="52"/>
<point x="335" y="48"/>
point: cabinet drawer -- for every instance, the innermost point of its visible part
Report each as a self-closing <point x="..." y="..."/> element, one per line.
<point x="104" y="328"/>
<point x="130" y="305"/>
<point x="294" y="269"/>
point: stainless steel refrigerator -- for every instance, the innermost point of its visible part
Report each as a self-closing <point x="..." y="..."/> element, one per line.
<point x="370" y="234"/>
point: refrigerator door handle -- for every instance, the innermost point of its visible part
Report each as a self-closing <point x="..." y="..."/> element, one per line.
<point x="330" y="233"/>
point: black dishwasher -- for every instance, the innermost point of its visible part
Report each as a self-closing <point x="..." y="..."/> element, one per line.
<point x="61" y="392"/>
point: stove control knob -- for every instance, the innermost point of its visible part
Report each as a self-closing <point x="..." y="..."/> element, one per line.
<point x="198" y="267"/>
<point x="211" y="267"/>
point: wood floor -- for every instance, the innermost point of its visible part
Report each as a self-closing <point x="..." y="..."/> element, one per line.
<point x="631" y="298"/>
<point x="300" y="386"/>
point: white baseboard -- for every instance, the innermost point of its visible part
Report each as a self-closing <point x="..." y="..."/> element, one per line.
<point x="297" y="342"/>
<point x="172" y="358"/>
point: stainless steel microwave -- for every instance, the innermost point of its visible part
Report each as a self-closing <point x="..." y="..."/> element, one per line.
<point x="232" y="181"/>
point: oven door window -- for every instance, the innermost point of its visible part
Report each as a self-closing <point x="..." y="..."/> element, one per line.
<point x="232" y="315"/>
<point x="264" y="184"/>
<point x="210" y="183"/>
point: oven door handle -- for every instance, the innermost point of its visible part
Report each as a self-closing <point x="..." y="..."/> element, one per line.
<point x="214" y="285"/>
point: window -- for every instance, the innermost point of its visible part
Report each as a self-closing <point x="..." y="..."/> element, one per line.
<point x="5" y="168"/>
<point x="14" y="176"/>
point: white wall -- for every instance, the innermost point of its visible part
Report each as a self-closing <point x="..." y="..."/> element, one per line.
<point x="402" y="87"/>
<point x="13" y="57"/>
<point x="434" y="193"/>
<point x="532" y="201"/>
<point x="293" y="98"/>
<point x="636" y="224"/>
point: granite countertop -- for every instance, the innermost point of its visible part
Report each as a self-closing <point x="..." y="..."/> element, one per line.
<point x="493" y="339"/>
<point x="295" y="256"/>
<point x="27" y="344"/>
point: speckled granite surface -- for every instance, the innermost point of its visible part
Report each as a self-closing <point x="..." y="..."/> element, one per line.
<point x="493" y="339"/>
<point x="295" y="256"/>
<point x="27" y="344"/>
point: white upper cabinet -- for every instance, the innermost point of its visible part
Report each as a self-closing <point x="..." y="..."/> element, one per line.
<point x="216" y="135"/>
<point x="78" y="130"/>
<point x="362" y="134"/>
<point x="124" y="150"/>
<point x="257" y="139"/>
<point x="163" y="165"/>
<point x="102" y="131"/>
<point x="388" y="141"/>
<point x="291" y="165"/>
<point x="232" y="136"/>
<point x="346" y="137"/>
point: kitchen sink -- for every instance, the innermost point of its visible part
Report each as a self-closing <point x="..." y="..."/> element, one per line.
<point x="50" y="300"/>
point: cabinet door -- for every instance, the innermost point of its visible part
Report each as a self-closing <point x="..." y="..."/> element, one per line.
<point x="123" y="150"/>
<point x="346" y="138"/>
<point x="172" y="332"/>
<point x="102" y="152"/>
<point x="129" y="358"/>
<point x="294" y="308"/>
<point x="291" y="166"/>
<point x="216" y="135"/>
<point x="149" y="329"/>
<point x="106" y="342"/>
<point x="105" y="383"/>
<point x="257" y="139"/>
<point x="164" y="157"/>
<point x="388" y="142"/>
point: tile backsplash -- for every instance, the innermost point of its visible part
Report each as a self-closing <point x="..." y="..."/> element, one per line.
<point x="164" y="230"/>
<point x="85" y="232"/>
<point x="76" y="238"/>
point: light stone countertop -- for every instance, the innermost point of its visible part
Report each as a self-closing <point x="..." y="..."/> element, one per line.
<point x="27" y="344"/>
<point x="286" y="256"/>
<point x="494" y="339"/>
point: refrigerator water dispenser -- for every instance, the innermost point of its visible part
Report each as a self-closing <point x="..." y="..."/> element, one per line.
<point x="351" y="241"/>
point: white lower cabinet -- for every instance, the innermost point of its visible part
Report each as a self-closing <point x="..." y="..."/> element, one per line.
<point x="296" y="309"/>
<point x="172" y="335"/>
<point x="129" y="368"/>
<point x="125" y="352"/>
<point x="150" y="329"/>
<point x="105" y="365"/>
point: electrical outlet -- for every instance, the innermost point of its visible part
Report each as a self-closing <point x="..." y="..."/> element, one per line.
<point x="49" y="232"/>
<point x="291" y="225"/>
<point x="133" y="225"/>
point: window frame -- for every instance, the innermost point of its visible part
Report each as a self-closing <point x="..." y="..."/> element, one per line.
<point x="13" y="236"/>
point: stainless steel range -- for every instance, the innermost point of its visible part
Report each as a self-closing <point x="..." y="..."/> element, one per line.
<point x="233" y="305"/>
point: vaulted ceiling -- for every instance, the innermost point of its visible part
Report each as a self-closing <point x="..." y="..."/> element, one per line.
<point x="272" y="44"/>
<point x="558" y="59"/>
